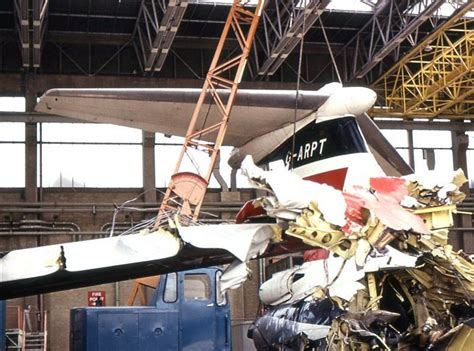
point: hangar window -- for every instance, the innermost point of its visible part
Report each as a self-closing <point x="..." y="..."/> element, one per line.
<point x="12" y="154"/>
<point x="432" y="150"/>
<point x="351" y="5"/>
<point x="470" y="159"/>
<point x="167" y="150"/>
<point x="89" y="155"/>
<point x="345" y="5"/>
<point x="397" y="137"/>
<point x="439" y="139"/>
<point x="442" y="159"/>
<point x="12" y="104"/>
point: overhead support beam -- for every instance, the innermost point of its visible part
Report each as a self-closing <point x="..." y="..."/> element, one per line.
<point x="22" y="24"/>
<point x="156" y="26"/>
<point x="31" y="25"/>
<point x="380" y="41"/>
<point x="40" y="15"/>
<point x="284" y="24"/>
<point x="435" y="78"/>
<point x="391" y="26"/>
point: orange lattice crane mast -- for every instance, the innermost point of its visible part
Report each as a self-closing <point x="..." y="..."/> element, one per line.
<point x="186" y="190"/>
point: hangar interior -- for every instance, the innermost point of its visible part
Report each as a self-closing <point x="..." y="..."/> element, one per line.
<point x="62" y="180"/>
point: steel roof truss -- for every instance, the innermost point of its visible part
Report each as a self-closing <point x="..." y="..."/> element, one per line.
<point x="435" y="78"/>
<point x="155" y="29"/>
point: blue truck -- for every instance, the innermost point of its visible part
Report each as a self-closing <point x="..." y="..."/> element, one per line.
<point x="187" y="312"/>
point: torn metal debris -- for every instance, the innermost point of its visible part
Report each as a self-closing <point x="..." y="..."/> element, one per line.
<point x="396" y="281"/>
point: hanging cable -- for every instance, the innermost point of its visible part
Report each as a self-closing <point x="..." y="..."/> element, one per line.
<point x="193" y="162"/>
<point x="298" y="79"/>
<point x="329" y="49"/>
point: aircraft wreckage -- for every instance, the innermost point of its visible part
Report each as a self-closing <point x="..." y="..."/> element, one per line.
<point x="388" y="279"/>
<point x="385" y="276"/>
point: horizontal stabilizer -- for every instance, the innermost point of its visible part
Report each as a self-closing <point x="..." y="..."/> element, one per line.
<point x="168" y="111"/>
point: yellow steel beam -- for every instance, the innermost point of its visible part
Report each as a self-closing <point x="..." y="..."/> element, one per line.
<point x="436" y="77"/>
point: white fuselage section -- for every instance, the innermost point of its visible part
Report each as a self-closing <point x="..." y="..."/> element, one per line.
<point x="354" y="168"/>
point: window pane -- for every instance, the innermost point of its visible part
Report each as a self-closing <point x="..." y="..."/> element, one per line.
<point x="349" y="5"/>
<point x="104" y="166"/>
<point x="443" y="161"/>
<point x="396" y="137"/>
<point x="12" y="156"/>
<point x="221" y="297"/>
<point x="84" y="132"/>
<point x="432" y="138"/>
<point x="196" y="287"/>
<point x="10" y="131"/>
<point x="171" y="288"/>
<point x="12" y="104"/>
<point x="471" y="140"/>
<point x="470" y="167"/>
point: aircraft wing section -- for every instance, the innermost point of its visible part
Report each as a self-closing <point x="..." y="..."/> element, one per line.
<point x="168" y="111"/>
<point x="83" y="263"/>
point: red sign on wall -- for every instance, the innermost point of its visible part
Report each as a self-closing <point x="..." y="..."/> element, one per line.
<point x="96" y="298"/>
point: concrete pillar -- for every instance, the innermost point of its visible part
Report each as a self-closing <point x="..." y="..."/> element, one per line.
<point x="30" y="93"/>
<point x="31" y="160"/>
<point x="233" y="179"/>
<point x="460" y="143"/>
<point x="31" y="173"/>
<point x="149" y="167"/>
<point x="31" y="157"/>
<point x="411" y="151"/>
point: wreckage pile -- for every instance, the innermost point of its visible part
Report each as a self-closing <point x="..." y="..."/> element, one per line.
<point x="390" y="280"/>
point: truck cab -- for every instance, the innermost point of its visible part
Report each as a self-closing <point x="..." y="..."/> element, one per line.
<point x="187" y="312"/>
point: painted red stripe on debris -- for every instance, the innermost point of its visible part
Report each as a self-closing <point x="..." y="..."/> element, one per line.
<point x="335" y="178"/>
<point x="315" y="254"/>
<point x="248" y="210"/>
<point x="355" y="209"/>
<point x="396" y="188"/>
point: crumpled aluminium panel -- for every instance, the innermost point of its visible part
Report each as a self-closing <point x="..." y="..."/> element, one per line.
<point x="429" y="297"/>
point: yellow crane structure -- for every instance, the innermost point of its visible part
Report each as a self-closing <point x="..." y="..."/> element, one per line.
<point x="436" y="78"/>
<point x="186" y="190"/>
